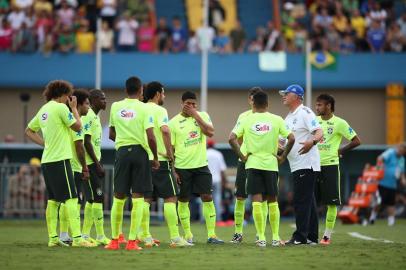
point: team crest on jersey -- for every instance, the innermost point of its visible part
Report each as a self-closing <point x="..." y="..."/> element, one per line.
<point x="126" y="114"/>
<point x="86" y="127"/>
<point x="44" y="116"/>
<point x="350" y="130"/>
<point x="70" y="116"/>
<point x="330" y="130"/>
<point x="294" y="121"/>
<point x="193" y="134"/>
<point x="261" y="128"/>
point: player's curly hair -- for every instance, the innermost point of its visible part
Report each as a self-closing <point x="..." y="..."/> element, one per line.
<point x="151" y="89"/>
<point x="57" y="88"/>
<point x="81" y="95"/>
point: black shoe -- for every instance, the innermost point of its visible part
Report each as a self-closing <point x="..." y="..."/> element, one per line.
<point x="293" y="242"/>
<point x="237" y="238"/>
<point x="312" y="243"/>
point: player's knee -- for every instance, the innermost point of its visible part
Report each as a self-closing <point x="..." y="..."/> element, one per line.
<point x="119" y="195"/>
<point x="206" y="197"/>
<point x="271" y="199"/>
<point x="148" y="200"/>
<point x="170" y="200"/>
<point x="184" y="199"/>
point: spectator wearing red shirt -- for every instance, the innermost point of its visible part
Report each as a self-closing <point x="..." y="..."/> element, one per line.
<point x="6" y="35"/>
<point x="146" y="37"/>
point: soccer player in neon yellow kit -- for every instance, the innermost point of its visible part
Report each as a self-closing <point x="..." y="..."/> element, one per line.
<point x="189" y="130"/>
<point x="93" y="189"/>
<point x="132" y="129"/>
<point x="261" y="131"/>
<point x="241" y="181"/>
<point x="328" y="182"/>
<point x="55" y="121"/>
<point x="163" y="180"/>
<point x="78" y="164"/>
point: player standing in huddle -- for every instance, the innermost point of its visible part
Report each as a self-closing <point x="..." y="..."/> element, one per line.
<point x="131" y="127"/>
<point x="241" y="180"/>
<point x="93" y="188"/>
<point x="78" y="164"/>
<point x="163" y="181"/>
<point x="328" y="181"/>
<point x="261" y="131"/>
<point x="189" y="130"/>
<point x="55" y="122"/>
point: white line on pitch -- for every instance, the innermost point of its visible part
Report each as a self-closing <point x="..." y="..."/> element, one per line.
<point x="367" y="238"/>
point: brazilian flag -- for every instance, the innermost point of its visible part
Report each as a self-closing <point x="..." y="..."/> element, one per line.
<point x="323" y="60"/>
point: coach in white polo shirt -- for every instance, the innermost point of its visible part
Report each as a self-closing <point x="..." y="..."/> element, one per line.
<point x="304" y="161"/>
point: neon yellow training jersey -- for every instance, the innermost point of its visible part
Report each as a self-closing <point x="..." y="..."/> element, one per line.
<point x="189" y="141"/>
<point x="77" y="136"/>
<point x="54" y="120"/>
<point x="334" y="130"/>
<point x="240" y="118"/>
<point x="261" y="135"/>
<point x="160" y="119"/>
<point x="130" y="118"/>
<point x="93" y="127"/>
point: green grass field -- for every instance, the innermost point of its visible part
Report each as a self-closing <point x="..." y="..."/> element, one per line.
<point x="23" y="245"/>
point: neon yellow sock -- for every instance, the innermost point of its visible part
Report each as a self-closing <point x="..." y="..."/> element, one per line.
<point x="171" y="219"/>
<point x="74" y="219"/>
<point x="239" y="211"/>
<point x="274" y="219"/>
<point x="136" y="217"/>
<point x="209" y="213"/>
<point x="63" y="219"/>
<point x="87" y="219"/>
<point x="144" y="232"/>
<point x="184" y="216"/>
<point x="98" y="218"/>
<point x="51" y="216"/>
<point x="116" y="217"/>
<point x="330" y="219"/>
<point x="265" y="213"/>
<point x="258" y="219"/>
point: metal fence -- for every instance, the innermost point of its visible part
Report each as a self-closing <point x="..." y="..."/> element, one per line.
<point x="23" y="194"/>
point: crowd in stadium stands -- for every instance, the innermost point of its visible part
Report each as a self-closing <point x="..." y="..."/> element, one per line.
<point x="68" y="26"/>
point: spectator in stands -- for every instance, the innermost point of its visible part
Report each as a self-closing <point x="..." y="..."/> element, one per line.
<point x="205" y="37"/>
<point x="340" y="21"/>
<point x="272" y="41"/>
<point x="106" y="38"/>
<point x="217" y="14"/>
<point x="42" y="5"/>
<point x="238" y="36"/>
<point x="140" y="9"/>
<point x="257" y="44"/>
<point x="127" y="27"/>
<point x="146" y="37"/>
<point x="217" y="167"/>
<point x="37" y="187"/>
<point x="43" y="28"/>
<point x="4" y="8"/>
<point x="66" y="40"/>
<point x="179" y="36"/>
<point x="395" y="38"/>
<point x="347" y="44"/>
<point x="193" y="43"/>
<point x="16" y="18"/>
<point x="85" y="40"/>
<point x="23" y="4"/>
<point x="333" y="39"/>
<point x="300" y="37"/>
<point x="378" y="14"/>
<point x="30" y="18"/>
<point x="222" y="42"/>
<point x="163" y="36"/>
<point x="108" y="11"/>
<point x="19" y="193"/>
<point x="350" y="5"/>
<point x="402" y="23"/>
<point x="6" y="35"/>
<point x="72" y="3"/>
<point x="322" y="19"/>
<point x="376" y="37"/>
<point x="65" y="14"/>
<point x="27" y="42"/>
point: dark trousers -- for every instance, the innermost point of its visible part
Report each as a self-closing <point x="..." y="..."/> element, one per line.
<point x="307" y="223"/>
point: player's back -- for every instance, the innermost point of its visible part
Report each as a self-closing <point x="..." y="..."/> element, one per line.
<point x="160" y="116"/>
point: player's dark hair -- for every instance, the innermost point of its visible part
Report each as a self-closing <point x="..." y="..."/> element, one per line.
<point x="94" y="94"/>
<point x="151" y="89"/>
<point x="254" y="90"/>
<point x="188" y="95"/>
<point x="56" y="89"/>
<point x="133" y="85"/>
<point x="81" y="95"/>
<point x="260" y="99"/>
<point x="328" y="99"/>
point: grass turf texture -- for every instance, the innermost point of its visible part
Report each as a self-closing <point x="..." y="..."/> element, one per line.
<point x="23" y="245"/>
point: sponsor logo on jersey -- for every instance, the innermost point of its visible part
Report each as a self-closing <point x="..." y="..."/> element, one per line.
<point x="126" y="114"/>
<point x="261" y="128"/>
<point x="44" y="116"/>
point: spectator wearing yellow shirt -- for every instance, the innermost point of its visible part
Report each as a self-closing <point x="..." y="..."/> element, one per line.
<point x="358" y="23"/>
<point x="340" y="22"/>
<point x="85" y="40"/>
<point x="42" y="5"/>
